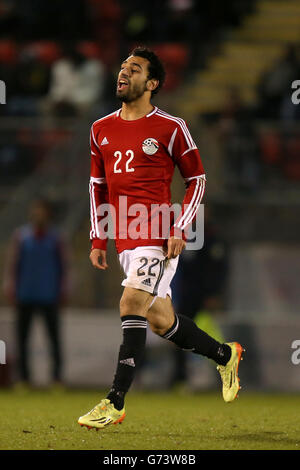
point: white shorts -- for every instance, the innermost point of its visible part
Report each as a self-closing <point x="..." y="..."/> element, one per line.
<point x="146" y="268"/>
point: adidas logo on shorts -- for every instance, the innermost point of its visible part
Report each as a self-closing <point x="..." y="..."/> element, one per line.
<point x="147" y="282"/>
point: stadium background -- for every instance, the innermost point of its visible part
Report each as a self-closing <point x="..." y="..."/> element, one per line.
<point x="230" y="68"/>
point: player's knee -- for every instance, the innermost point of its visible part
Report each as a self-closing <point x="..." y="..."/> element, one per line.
<point x="161" y="316"/>
<point x="157" y="330"/>
<point x="131" y="305"/>
<point x="159" y="327"/>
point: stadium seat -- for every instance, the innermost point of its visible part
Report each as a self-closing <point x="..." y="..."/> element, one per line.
<point x="173" y="54"/>
<point x="270" y="146"/>
<point x="45" y="51"/>
<point x="175" y="58"/>
<point x="89" y="49"/>
<point x="8" y="52"/>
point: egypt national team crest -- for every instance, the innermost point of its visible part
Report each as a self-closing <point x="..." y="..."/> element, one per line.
<point x="150" y="146"/>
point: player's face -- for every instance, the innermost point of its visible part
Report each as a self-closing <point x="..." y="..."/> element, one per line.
<point x="132" y="79"/>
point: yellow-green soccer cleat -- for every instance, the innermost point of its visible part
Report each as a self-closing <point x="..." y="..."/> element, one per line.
<point x="229" y="373"/>
<point x="102" y="415"/>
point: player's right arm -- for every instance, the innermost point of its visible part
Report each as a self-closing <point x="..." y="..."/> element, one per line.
<point x="98" y="195"/>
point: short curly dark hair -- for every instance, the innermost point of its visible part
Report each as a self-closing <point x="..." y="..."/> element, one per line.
<point x="156" y="68"/>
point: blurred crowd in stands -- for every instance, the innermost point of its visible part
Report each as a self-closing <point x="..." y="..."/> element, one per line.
<point x="60" y="59"/>
<point x="274" y="89"/>
<point x="60" y="56"/>
<point x="46" y="77"/>
<point x="262" y="142"/>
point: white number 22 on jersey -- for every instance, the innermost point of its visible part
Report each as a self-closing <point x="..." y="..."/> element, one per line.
<point x="118" y="155"/>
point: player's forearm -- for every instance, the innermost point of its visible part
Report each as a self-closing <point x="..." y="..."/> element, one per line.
<point x="192" y="199"/>
<point x="98" y="196"/>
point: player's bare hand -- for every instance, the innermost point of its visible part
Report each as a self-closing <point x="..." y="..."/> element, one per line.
<point x="175" y="247"/>
<point x="98" y="258"/>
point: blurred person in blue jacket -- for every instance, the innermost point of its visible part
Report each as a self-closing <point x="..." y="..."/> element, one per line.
<point x="35" y="281"/>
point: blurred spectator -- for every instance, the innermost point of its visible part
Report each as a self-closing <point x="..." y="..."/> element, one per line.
<point x="76" y="84"/>
<point x="35" y="280"/>
<point x="242" y="166"/>
<point x="289" y="112"/>
<point x="276" y="83"/>
<point x="198" y="289"/>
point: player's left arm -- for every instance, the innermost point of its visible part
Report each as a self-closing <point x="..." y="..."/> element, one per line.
<point x="187" y="157"/>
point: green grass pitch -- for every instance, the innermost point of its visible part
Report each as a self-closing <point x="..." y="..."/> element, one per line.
<point x="155" y="421"/>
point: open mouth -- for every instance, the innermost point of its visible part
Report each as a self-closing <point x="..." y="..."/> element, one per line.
<point x="122" y="84"/>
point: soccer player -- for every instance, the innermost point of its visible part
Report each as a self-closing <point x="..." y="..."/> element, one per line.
<point x="133" y="154"/>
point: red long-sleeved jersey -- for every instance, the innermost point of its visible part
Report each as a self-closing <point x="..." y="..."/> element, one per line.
<point x="132" y="165"/>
